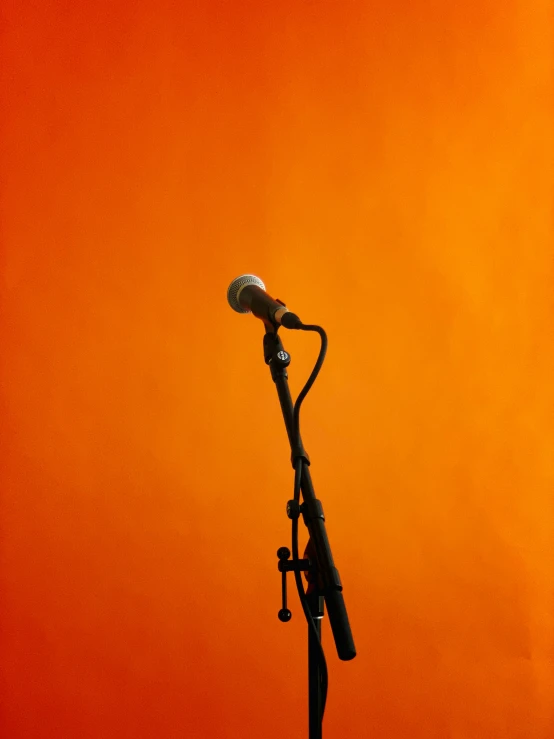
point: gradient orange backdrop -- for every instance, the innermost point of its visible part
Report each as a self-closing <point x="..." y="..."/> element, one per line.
<point x="386" y="168"/>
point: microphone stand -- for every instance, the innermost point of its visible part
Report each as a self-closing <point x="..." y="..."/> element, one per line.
<point x="324" y="581"/>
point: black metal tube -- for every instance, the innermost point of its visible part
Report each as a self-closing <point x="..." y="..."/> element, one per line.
<point x="314" y="672"/>
<point x="332" y="587"/>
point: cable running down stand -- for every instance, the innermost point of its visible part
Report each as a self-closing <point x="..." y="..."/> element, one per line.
<point x="324" y="584"/>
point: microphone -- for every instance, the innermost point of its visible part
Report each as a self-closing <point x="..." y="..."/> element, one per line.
<point x="246" y="294"/>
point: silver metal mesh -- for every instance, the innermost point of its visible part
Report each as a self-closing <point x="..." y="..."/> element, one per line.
<point x="233" y="291"/>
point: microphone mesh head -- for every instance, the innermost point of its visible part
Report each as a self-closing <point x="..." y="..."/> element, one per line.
<point x="236" y="286"/>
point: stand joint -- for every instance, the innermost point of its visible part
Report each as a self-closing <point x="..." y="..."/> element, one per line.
<point x="286" y="565"/>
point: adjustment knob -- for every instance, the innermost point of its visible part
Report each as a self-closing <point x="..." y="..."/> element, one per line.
<point x="284" y="615"/>
<point x="293" y="509"/>
<point x="283" y="553"/>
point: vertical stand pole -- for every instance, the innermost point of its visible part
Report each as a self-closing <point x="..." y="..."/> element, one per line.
<point x="316" y="603"/>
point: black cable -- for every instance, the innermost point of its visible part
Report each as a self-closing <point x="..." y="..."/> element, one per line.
<point x="312" y="378"/>
<point x="304" y="602"/>
<point x="297" y="488"/>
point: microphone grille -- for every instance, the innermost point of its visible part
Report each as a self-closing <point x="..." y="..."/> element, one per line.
<point x="236" y="286"/>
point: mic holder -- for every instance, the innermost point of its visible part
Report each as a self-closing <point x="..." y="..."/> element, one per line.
<point x="325" y="583"/>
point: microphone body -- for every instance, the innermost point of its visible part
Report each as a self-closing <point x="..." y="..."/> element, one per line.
<point x="246" y="294"/>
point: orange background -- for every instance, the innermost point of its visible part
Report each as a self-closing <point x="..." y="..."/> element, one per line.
<point x="386" y="169"/>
